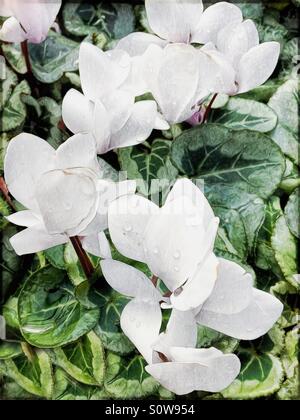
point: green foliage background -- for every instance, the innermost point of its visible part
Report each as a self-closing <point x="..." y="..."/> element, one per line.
<point x="64" y="337"/>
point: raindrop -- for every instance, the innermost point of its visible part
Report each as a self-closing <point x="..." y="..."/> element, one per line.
<point x="155" y="251"/>
<point x="178" y="291"/>
<point x="176" y="269"/>
<point x="138" y="324"/>
<point x="68" y="205"/>
<point x="128" y="228"/>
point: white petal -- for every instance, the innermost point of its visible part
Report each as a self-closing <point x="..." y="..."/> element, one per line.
<point x="175" y="90"/>
<point x="161" y="123"/>
<point x="213" y="19"/>
<point x="35" y="239"/>
<point x="24" y="218"/>
<point x="181" y="332"/>
<point x="36" y="17"/>
<point x="233" y="290"/>
<point x="102" y="127"/>
<point x="97" y="244"/>
<point x="183" y="378"/>
<point x="129" y="281"/>
<point x="77" y="112"/>
<point x="67" y="199"/>
<point x="249" y="324"/>
<point x="78" y="151"/>
<point x="120" y="104"/>
<point x="193" y="355"/>
<point x="138" y="127"/>
<point x="186" y="187"/>
<point x="100" y="72"/>
<point x="136" y="44"/>
<point x="235" y="41"/>
<point x="11" y="31"/>
<point x="174" y="20"/>
<point x="141" y="322"/>
<point x="27" y="158"/>
<point x="257" y="65"/>
<point x="127" y="219"/>
<point x="108" y="191"/>
<point x="173" y="241"/>
<point x="216" y="74"/>
<point x="5" y="10"/>
<point x="198" y="288"/>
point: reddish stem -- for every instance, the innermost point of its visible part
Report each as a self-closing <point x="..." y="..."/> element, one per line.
<point x="208" y="109"/>
<point x="154" y="280"/>
<point x="83" y="257"/>
<point x="25" y="52"/>
<point x="5" y="192"/>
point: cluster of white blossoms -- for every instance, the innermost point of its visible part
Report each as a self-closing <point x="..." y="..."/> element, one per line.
<point x="194" y="54"/>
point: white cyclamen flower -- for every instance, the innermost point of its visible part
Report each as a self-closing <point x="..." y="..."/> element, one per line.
<point x="29" y="20"/>
<point x="107" y="107"/>
<point x="254" y="63"/>
<point x="180" y="76"/>
<point x="181" y="21"/>
<point x="171" y="356"/>
<point x="175" y="241"/>
<point x="62" y="190"/>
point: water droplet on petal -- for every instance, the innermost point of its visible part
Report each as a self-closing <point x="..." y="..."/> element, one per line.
<point x="128" y="228"/>
<point x="178" y="291"/>
<point x="176" y="255"/>
<point x="155" y="251"/>
<point x="176" y="269"/>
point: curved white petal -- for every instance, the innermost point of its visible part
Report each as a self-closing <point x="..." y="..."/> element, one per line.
<point x="235" y="41"/>
<point x="129" y="281"/>
<point x="212" y="375"/>
<point x="193" y="355"/>
<point x="36" y="17"/>
<point x="181" y="332"/>
<point x="11" y="31"/>
<point x="138" y="126"/>
<point x="35" y="239"/>
<point x="173" y="241"/>
<point x="97" y="244"/>
<point x="27" y="158"/>
<point x="141" y="322"/>
<point x="136" y="44"/>
<point x="213" y="19"/>
<point x="59" y="194"/>
<point x="174" y="20"/>
<point x="198" y="288"/>
<point x="120" y="104"/>
<point x="233" y="290"/>
<point x="24" y="218"/>
<point x="249" y="324"/>
<point x="127" y="220"/>
<point x="186" y="187"/>
<point x="175" y="90"/>
<point x="257" y="65"/>
<point x="77" y="112"/>
<point x="101" y="127"/>
<point x="101" y="72"/>
<point x="79" y="151"/>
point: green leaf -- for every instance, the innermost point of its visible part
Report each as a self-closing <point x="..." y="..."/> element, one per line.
<point x="10" y="313"/>
<point x="291" y="178"/>
<point x="290" y="389"/>
<point x="11" y="262"/>
<point x="73" y="266"/>
<point x="9" y="349"/>
<point x="240" y="114"/>
<point x="50" y="315"/>
<point x="7" y="85"/>
<point x="218" y="155"/>
<point x="152" y="166"/>
<point x="127" y="379"/>
<point x="53" y="57"/>
<point x="285" y="102"/>
<point x="264" y="92"/>
<point x="291" y="212"/>
<point x="290" y="357"/>
<point x="83" y="360"/>
<point x="111" y="305"/>
<point x="211" y="338"/>
<point x="260" y="376"/>
<point x="66" y="388"/>
<point x="250" y="208"/>
<point x="265" y="255"/>
<point x="55" y="256"/>
<point x="14" y="113"/>
<point x="285" y="247"/>
<point x="232" y="236"/>
<point x="115" y="20"/>
<point x="32" y="371"/>
<point x="13" y="54"/>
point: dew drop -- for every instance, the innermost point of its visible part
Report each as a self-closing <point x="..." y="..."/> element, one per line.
<point x="178" y="291"/>
<point x="68" y="205"/>
<point x="138" y="324"/>
<point x="155" y="251"/>
<point x="176" y="269"/>
<point x="176" y="255"/>
<point x="128" y="228"/>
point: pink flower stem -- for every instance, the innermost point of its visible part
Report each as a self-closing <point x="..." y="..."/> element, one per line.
<point x="208" y="109"/>
<point x="83" y="257"/>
